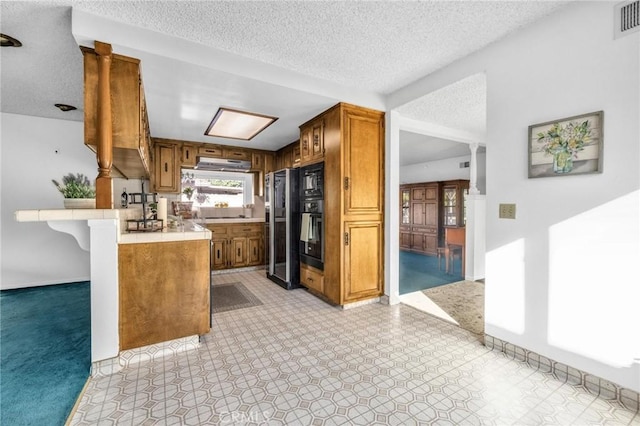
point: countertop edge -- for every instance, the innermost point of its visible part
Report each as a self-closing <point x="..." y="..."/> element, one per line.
<point x="45" y="215"/>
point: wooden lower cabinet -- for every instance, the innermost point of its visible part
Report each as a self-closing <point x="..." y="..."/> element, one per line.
<point x="312" y="278"/>
<point x="254" y="250"/>
<point x="236" y="245"/>
<point x="422" y="239"/>
<point x="405" y="237"/>
<point x="363" y="260"/>
<point x="164" y="291"/>
<point x="218" y="253"/>
<point x="238" y="256"/>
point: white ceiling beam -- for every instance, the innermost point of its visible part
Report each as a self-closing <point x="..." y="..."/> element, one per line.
<point x="438" y="131"/>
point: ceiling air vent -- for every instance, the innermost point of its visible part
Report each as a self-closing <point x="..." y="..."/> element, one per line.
<point x="626" y="18"/>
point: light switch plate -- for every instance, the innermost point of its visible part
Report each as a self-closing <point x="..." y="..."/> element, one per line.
<point x="507" y="211"/>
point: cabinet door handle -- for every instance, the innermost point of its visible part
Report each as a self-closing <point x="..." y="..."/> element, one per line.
<point x="166" y="167"/>
<point x="310" y="279"/>
<point x="187" y="154"/>
<point x="238" y="252"/>
<point x="218" y="255"/>
<point x="346" y="238"/>
<point x="346" y="183"/>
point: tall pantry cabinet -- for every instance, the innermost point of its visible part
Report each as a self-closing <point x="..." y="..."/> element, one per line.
<point x="354" y="203"/>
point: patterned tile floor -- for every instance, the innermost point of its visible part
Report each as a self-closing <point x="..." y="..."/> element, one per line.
<point x="295" y="360"/>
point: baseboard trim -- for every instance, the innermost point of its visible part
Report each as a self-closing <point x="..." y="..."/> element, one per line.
<point x="130" y="357"/>
<point x="603" y="388"/>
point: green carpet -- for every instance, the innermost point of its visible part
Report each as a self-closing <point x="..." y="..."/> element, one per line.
<point x="420" y="272"/>
<point x="45" y="348"/>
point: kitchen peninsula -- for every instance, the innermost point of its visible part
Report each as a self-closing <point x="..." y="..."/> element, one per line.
<point x="146" y="288"/>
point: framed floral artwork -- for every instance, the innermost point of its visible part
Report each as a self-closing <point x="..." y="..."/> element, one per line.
<point x="569" y="146"/>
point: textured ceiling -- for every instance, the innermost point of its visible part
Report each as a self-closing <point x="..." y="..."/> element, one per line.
<point x="373" y="47"/>
<point x="461" y="106"/>
<point x="47" y="69"/>
<point x="378" y="46"/>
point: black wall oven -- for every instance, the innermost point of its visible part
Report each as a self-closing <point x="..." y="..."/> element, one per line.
<point x="312" y="215"/>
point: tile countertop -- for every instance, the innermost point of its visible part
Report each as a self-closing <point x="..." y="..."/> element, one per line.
<point x="231" y="220"/>
<point x="192" y="231"/>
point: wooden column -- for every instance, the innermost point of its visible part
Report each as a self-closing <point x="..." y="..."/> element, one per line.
<point x="104" y="185"/>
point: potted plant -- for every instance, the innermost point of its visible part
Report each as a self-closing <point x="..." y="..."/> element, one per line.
<point x="188" y="191"/>
<point x="77" y="190"/>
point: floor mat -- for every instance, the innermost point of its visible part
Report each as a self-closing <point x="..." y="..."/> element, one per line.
<point x="463" y="301"/>
<point x="232" y="296"/>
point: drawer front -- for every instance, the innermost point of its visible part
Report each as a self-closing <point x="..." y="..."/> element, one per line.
<point x="237" y="154"/>
<point x="210" y="151"/>
<point x="311" y="278"/>
<point x="247" y="229"/>
<point x="218" y="231"/>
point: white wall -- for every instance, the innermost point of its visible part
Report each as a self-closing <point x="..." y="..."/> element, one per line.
<point x="32" y="253"/>
<point x="447" y="169"/>
<point x="562" y="279"/>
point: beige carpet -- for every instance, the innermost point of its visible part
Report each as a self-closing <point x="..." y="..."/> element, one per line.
<point x="463" y="301"/>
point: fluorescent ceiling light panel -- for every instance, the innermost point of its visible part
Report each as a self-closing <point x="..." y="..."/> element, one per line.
<point x="234" y="124"/>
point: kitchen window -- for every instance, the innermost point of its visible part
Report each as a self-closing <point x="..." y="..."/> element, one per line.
<point x="216" y="189"/>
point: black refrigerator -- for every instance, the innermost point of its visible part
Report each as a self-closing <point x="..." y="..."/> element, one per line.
<point x="282" y="227"/>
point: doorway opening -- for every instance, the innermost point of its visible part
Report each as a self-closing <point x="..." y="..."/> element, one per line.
<point x="442" y="172"/>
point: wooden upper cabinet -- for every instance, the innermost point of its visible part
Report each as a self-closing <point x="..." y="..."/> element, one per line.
<point x="166" y="177"/>
<point x="295" y="154"/>
<point x="405" y="206"/>
<point x="236" y="154"/>
<point x="269" y="162"/>
<point x="130" y="124"/>
<point x="312" y="142"/>
<point x="431" y="192"/>
<point x="363" y="147"/>
<point x="431" y="214"/>
<point x="453" y="202"/>
<point x="257" y="161"/>
<point x="189" y="154"/>
<point x="418" y="194"/>
<point x="418" y="214"/>
<point x="288" y="156"/>
<point x="305" y="144"/>
<point x="210" y="151"/>
<point x="317" y="140"/>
